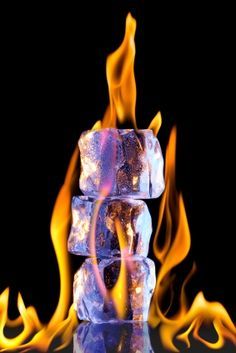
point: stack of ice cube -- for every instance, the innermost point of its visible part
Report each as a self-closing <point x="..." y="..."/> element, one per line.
<point x="125" y="165"/>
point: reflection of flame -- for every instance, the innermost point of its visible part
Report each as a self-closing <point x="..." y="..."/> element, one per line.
<point x="175" y="249"/>
<point x="62" y="322"/>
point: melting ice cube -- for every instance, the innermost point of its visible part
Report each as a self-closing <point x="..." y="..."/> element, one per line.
<point x="92" y="306"/>
<point x="127" y="162"/>
<point x="133" y="215"/>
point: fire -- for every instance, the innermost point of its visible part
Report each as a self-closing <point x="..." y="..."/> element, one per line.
<point x="155" y="124"/>
<point x="175" y="249"/>
<point x="120" y="78"/>
<point x="118" y="294"/>
<point x="122" y="96"/>
<point x="122" y="85"/>
<point x="36" y="335"/>
<point x="121" y="81"/>
<point x="119" y="291"/>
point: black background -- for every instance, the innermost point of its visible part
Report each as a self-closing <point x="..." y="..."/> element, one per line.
<point x="53" y="87"/>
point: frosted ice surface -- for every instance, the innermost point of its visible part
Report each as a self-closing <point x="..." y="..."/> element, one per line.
<point x="90" y="303"/>
<point x="124" y="161"/>
<point x="133" y="215"/>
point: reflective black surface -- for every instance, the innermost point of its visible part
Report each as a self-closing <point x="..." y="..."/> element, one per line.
<point x="126" y="338"/>
<point x="112" y="337"/>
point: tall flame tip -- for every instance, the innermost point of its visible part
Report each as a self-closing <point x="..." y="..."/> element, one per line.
<point x="121" y="79"/>
<point x="5" y="293"/>
<point x="156" y="123"/>
<point x="130" y="21"/>
<point x="97" y="125"/>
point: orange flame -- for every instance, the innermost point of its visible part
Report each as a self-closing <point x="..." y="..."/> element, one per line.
<point x="120" y="77"/>
<point x="122" y="95"/>
<point x="118" y="294"/>
<point x="155" y="124"/>
<point x="121" y="81"/>
<point x="63" y="321"/>
<point x="175" y="249"/>
<point x="119" y="291"/>
<point x="122" y="85"/>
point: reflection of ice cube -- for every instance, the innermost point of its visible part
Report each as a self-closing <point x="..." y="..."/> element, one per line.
<point x="112" y="337"/>
<point x="133" y="215"/>
<point x="127" y="162"/>
<point x="90" y="303"/>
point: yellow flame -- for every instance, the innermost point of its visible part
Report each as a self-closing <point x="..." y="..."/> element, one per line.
<point x="122" y="95"/>
<point x="92" y="244"/>
<point x="121" y="80"/>
<point x="60" y="224"/>
<point x="155" y="124"/>
<point x="175" y="249"/>
<point x="122" y="85"/>
<point x="63" y="322"/>
<point x="120" y="290"/>
<point x="118" y="294"/>
<point x="97" y="125"/>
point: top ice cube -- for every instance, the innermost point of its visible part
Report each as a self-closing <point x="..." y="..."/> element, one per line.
<point x="124" y="162"/>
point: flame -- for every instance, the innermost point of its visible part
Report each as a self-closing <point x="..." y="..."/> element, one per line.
<point x="118" y="294"/>
<point x="122" y="95"/>
<point x="155" y="124"/>
<point x="120" y="76"/>
<point x="97" y="125"/>
<point x="175" y="249"/>
<point x="92" y="245"/>
<point x="119" y="291"/>
<point x="63" y="321"/>
<point x="121" y="80"/>
<point x="122" y="85"/>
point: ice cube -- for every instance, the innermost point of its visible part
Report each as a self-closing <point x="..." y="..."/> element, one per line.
<point x="112" y="337"/>
<point x="89" y="301"/>
<point x="134" y="217"/>
<point x="127" y="162"/>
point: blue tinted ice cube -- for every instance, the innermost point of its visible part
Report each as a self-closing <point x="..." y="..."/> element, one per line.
<point x="112" y="337"/>
<point x="127" y="162"/>
<point x="92" y="306"/>
<point x="134" y="217"/>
